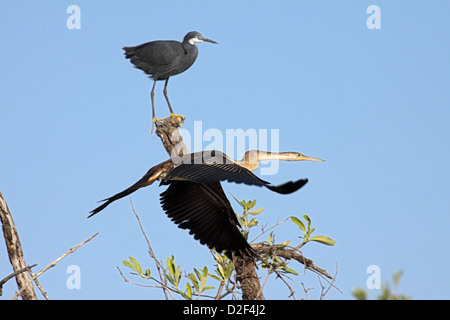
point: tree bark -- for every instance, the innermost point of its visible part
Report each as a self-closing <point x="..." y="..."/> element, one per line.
<point x="245" y="267"/>
<point x="248" y="278"/>
<point x="15" y="252"/>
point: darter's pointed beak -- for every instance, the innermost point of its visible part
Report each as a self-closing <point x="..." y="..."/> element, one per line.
<point x="306" y="158"/>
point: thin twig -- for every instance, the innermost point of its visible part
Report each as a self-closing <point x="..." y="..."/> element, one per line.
<point x="71" y="250"/>
<point x="306" y="291"/>
<point x="151" y="252"/>
<point x="160" y="285"/>
<point x="280" y="275"/>
<point x="12" y="275"/>
<point x="265" y="280"/>
<point x="330" y="284"/>
<point x="272" y="227"/>
<point x="219" y="291"/>
<point x="38" y="284"/>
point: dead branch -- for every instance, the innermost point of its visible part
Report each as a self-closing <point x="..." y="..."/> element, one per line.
<point x="158" y="265"/>
<point x="15" y="252"/>
<point x="12" y="275"/>
<point x="52" y="264"/>
<point x="172" y="141"/>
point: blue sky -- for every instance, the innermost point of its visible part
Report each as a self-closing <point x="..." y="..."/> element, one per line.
<point x="75" y="128"/>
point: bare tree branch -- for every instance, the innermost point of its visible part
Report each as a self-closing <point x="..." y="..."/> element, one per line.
<point x="152" y="254"/>
<point x="4" y="280"/>
<point x="15" y="252"/>
<point x="71" y="250"/>
<point x="38" y="284"/>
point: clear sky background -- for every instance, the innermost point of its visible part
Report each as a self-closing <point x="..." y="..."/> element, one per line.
<point x="75" y="128"/>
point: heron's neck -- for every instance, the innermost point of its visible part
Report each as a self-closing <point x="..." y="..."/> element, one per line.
<point x="252" y="158"/>
<point x="188" y="46"/>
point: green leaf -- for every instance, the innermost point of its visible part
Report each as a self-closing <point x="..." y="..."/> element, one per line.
<point x="199" y="275"/>
<point x="170" y="278"/>
<point x="133" y="264"/>
<point x="253" y="222"/>
<point x="205" y="271"/>
<point x="360" y="294"/>
<point x="220" y="271"/>
<point x="228" y="270"/>
<point x="194" y="281"/>
<point x="290" y="270"/>
<point x="202" y="284"/>
<point x="133" y="261"/>
<point x="128" y="264"/>
<point x="284" y="244"/>
<point x="256" y="212"/>
<point x="251" y="204"/>
<point x="215" y="278"/>
<point x="396" y="277"/>
<point x="170" y="266"/>
<point x="178" y="274"/>
<point x="308" y="220"/>
<point x="298" y="223"/>
<point x="323" y="239"/>
<point x="240" y="219"/>
<point x="188" y="291"/>
<point x="208" y="288"/>
<point x="309" y="232"/>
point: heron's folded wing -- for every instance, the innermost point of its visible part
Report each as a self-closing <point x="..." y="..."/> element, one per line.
<point x="155" y="53"/>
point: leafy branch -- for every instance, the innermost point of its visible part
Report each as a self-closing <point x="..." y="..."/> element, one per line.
<point x="274" y="258"/>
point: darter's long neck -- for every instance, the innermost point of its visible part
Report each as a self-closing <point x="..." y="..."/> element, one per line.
<point x="253" y="157"/>
<point x="263" y="155"/>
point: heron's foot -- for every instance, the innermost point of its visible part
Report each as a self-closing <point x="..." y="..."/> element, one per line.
<point x="155" y="121"/>
<point x="178" y="118"/>
<point x="175" y="119"/>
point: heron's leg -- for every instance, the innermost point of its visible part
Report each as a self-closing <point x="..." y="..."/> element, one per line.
<point x="178" y="117"/>
<point x="152" y="96"/>
<point x="165" y="95"/>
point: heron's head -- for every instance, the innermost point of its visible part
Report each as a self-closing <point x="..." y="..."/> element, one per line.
<point x="194" y="37"/>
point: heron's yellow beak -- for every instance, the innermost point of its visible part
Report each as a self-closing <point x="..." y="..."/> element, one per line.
<point x="302" y="157"/>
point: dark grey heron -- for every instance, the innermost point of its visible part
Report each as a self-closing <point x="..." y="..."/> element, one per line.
<point x="163" y="59"/>
<point x="196" y="201"/>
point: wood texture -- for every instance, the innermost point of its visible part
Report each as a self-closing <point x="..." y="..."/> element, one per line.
<point x="15" y="252"/>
